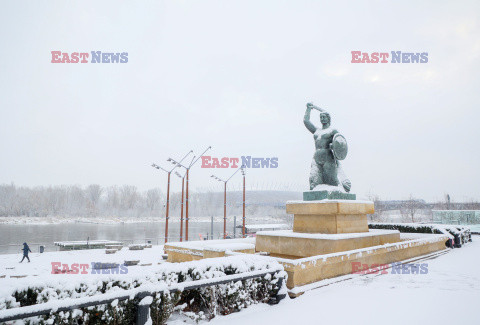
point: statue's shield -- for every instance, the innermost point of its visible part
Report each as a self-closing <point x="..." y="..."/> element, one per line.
<point x="339" y="146"/>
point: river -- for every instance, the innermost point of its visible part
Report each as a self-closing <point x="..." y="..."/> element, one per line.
<point x="12" y="235"/>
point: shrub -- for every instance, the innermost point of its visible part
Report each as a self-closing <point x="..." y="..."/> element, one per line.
<point x="459" y="234"/>
<point x="201" y="303"/>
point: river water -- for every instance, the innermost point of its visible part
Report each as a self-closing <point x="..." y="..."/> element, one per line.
<point x="12" y="236"/>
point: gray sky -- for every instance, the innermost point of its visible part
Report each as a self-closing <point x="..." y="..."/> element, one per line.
<point x="236" y="76"/>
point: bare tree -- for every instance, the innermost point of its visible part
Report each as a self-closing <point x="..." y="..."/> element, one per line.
<point x="209" y="203"/>
<point x="128" y="196"/>
<point x="76" y="201"/>
<point x="7" y="199"/>
<point x="94" y="192"/>
<point x="56" y="198"/>
<point x="113" y="198"/>
<point x="378" y="205"/>
<point x="409" y="208"/>
<point x="153" y="199"/>
<point x="472" y="204"/>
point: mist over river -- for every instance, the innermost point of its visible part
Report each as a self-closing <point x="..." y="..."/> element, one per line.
<point x="13" y="235"/>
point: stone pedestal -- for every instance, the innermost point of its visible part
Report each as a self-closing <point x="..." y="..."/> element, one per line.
<point x="324" y="227"/>
<point x="330" y="235"/>
<point x="329" y="238"/>
<point x="288" y="244"/>
<point x="330" y="217"/>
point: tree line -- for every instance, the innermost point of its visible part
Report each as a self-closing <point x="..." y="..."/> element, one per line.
<point x="126" y="201"/>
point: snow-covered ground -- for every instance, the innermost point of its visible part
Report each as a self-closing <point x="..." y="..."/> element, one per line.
<point x="448" y="294"/>
<point x="41" y="264"/>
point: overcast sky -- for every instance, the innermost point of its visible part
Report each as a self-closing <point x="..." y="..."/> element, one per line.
<point x="236" y="75"/>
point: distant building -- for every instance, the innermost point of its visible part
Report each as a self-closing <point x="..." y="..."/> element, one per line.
<point x="464" y="217"/>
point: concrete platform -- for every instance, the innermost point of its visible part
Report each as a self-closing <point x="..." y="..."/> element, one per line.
<point x="289" y="244"/>
<point x="327" y="237"/>
<point x="316" y="268"/>
<point x="197" y="250"/>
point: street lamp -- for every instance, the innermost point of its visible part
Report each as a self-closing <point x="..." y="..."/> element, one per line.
<point x="168" y="191"/>
<point x="194" y="160"/>
<point x="181" y="207"/>
<point x="243" y="217"/>
<point x="225" y="201"/>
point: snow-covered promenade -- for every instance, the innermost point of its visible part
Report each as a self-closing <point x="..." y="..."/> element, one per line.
<point x="14" y="274"/>
<point x="448" y="294"/>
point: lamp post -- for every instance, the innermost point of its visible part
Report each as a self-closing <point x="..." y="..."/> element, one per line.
<point x="181" y="207"/>
<point x="194" y="160"/>
<point x="225" y="201"/>
<point x="243" y="218"/>
<point x="168" y="191"/>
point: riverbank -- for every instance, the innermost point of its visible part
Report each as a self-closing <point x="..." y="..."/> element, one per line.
<point x="12" y="271"/>
<point x="124" y="220"/>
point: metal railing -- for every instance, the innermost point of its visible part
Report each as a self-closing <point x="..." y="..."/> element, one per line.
<point x="143" y="310"/>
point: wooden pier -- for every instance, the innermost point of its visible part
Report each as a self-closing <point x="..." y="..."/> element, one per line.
<point x="84" y="244"/>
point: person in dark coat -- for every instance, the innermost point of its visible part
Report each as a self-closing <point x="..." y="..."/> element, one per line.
<point x="25" y="249"/>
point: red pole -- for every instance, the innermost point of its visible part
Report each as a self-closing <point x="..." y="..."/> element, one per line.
<point x="225" y="212"/>
<point x="243" y="228"/>
<point x="186" y="211"/>
<point x="181" y="213"/>
<point x="166" y="214"/>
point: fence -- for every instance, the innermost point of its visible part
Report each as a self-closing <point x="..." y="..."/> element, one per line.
<point x="143" y="309"/>
<point x="460" y="217"/>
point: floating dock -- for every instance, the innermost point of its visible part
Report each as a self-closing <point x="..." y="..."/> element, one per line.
<point x="90" y="244"/>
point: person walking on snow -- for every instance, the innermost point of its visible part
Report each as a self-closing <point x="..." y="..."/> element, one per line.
<point x="25" y="249"/>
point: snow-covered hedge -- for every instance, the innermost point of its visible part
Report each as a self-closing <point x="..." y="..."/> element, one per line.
<point x="202" y="303"/>
<point x="459" y="234"/>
